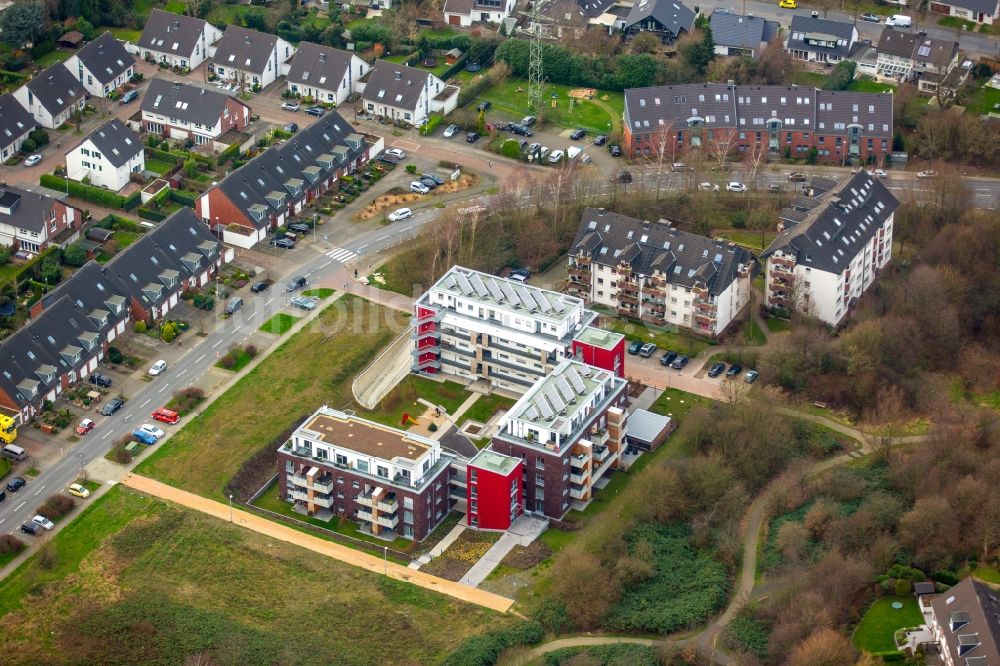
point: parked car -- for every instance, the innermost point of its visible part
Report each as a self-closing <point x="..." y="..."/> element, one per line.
<point x="428" y="183"/>
<point x="31" y="528"/>
<point x="680" y="167"/>
<point x="871" y="18"/>
<point x="679" y="362"/>
<point x="112" y="406"/>
<point x="419" y="188"/>
<point x="304" y="302"/>
<point x="529" y="121"/>
<point x="144" y="437"/>
<point x="450" y="131"/>
<point x="299" y="228"/>
<point x="735" y="186"/>
<point x="397" y="153"/>
<point x="43" y="522"/>
<point x="16" y="484"/>
<point x="577" y="134"/>
<point x="751" y="376"/>
<point x="33" y="160"/>
<point x="290" y="106"/>
<point x="3" y="495"/>
<point x="716" y="369"/>
<point x="634" y="347"/>
<point x="77" y="490"/>
<point x="543" y="152"/>
<point x="556" y="156"/>
<point x="100" y="380"/>
<point x="85" y="426"/>
<point x="788" y="4"/>
<point x="797" y="177"/>
<point x="484" y="106"/>
<point x="400" y="214"/>
<point x="152" y="430"/>
<point x="129" y="97"/>
<point x="647" y="350"/>
<point x="615" y="150"/>
<point x="164" y="415"/>
<point x="296" y="282"/>
<point x="708" y="187"/>
<point x="389" y="159"/>
<point x="878" y="173"/>
<point x="521" y="130"/>
<point x="773" y="187"/>
<point x="601" y="140"/>
<point x="258" y="287"/>
<point x="472" y="137"/>
<point x="317" y="111"/>
<point x="291" y="128"/>
<point x="283" y="243"/>
<point x="158" y="367"/>
<point x="668" y="357"/>
<point x="927" y="174"/>
<point x="734" y="370"/>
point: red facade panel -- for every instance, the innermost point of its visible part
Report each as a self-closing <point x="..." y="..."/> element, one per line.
<point x="494" y="500"/>
<point x="612" y="360"/>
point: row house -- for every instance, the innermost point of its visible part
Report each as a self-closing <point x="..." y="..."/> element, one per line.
<point x="108" y="157"/>
<point x="251" y="58"/>
<point x="32" y="221"/>
<point x="569" y="432"/>
<point x="820" y="40"/>
<point x="827" y="256"/>
<point x="52" y="96"/>
<point x="905" y="56"/>
<point x="965" y="624"/>
<point x="276" y="185"/>
<point x="667" y="19"/>
<point x="15" y="126"/>
<point x="842" y="126"/>
<point x="467" y="12"/>
<point x="389" y="481"/>
<point x="477" y="326"/>
<point x="406" y="94"/>
<point x="176" y="40"/>
<point x="189" y="112"/>
<point x="102" y="66"/>
<point x="653" y="272"/>
<point x="325" y="74"/>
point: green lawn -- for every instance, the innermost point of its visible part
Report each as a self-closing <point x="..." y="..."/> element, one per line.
<point x="749" y="239"/>
<point x="867" y="85"/>
<point x="320" y="293"/>
<point x="680" y="342"/>
<point x="511" y="99"/>
<point x="403" y="400"/>
<point x="984" y="101"/>
<point x="988" y="574"/>
<point x="752" y="335"/>
<point x="175" y="7"/>
<point x="126" y="34"/>
<point x="158" y="167"/>
<point x="279" y="323"/>
<point x="137" y="580"/>
<point x="124" y="238"/>
<point x="483" y="409"/>
<point x="242" y="360"/>
<point x="778" y="325"/>
<point x="676" y="404"/>
<point x="955" y="22"/>
<point x="814" y="79"/>
<point x="436" y="71"/>
<point x="880" y="622"/>
<point x="59" y="55"/>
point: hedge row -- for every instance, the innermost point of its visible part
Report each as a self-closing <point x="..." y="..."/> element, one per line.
<point x="26" y="271"/>
<point x="485" y="649"/>
<point x="229" y="153"/>
<point x="150" y="214"/>
<point x="432" y="122"/>
<point x="184" y="197"/>
<point x="164" y="155"/>
<point x="89" y="192"/>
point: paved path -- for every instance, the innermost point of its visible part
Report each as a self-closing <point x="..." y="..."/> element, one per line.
<point x="323" y="547"/>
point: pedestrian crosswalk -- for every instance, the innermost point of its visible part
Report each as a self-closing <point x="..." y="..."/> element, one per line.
<point x="342" y="255"/>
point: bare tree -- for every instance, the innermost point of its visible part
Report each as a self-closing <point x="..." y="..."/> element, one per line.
<point x="886" y="426"/>
<point x="754" y="156"/>
<point x="662" y="154"/>
<point x="733" y="391"/>
<point x="721" y="146"/>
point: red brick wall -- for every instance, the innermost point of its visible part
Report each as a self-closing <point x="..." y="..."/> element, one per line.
<point x="222" y="210"/>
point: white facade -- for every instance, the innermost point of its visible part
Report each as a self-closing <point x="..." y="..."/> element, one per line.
<point x="199" y="54"/>
<point x="28" y="100"/>
<point x="199" y="133"/>
<point x="93" y="84"/>
<point x="429" y="101"/>
<point x="482" y="11"/>
<point x="12" y="145"/>
<point x="86" y="161"/>
<point x="967" y="14"/>
<point x="334" y="92"/>
<point x="276" y="66"/>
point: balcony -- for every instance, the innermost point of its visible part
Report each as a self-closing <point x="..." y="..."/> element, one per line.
<point x="578" y="479"/>
<point x="598" y="437"/>
<point x="388" y="521"/>
<point x="387" y="504"/>
<point x="318" y="500"/>
<point x="578" y="494"/>
<point x="578" y="461"/>
<point x="625" y="297"/>
<point x="429" y="318"/>
<point x="579" y="271"/>
<point x="601" y="453"/>
<point x="322" y="484"/>
<point x="433" y="334"/>
<point x="628" y="311"/>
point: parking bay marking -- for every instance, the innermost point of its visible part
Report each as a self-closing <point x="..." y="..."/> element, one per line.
<point x="19" y="506"/>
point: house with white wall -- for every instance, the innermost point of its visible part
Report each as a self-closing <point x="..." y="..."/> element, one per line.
<point x="51" y="96"/>
<point x="102" y="66"/>
<point x="186" y="111"/>
<point x="176" y="39"/>
<point x="108" y="157"/>
<point x="15" y="126"/>
<point x="977" y="11"/>
<point x="467" y="12"/>
<point x="401" y="93"/>
<point x="251" y="58"/>
<point x="325" y="74"/>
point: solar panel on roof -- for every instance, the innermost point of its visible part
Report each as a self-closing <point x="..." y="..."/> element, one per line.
<point x="508" y="293"/>
<point x="463" y="284"/>
<point x="558" y="305"/>
<point x="531" y="413"/>
<point x="478" y="285"/>
<point x="543" y="303"/>
<point x="449" y="282"/>
<point x="565" y="389"/>
<point x="575" y="380"/>
<point x="525" y="298"/>
<point x="553" y="396"/>
<point x="494" y="291"/>
<point x="544" y="408"/>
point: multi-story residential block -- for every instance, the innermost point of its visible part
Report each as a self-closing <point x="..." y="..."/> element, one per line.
<point x="820" y="40"/>
<point x="656" y="273"/>
<point x="737" y="35"/>
<point x="478" y="326"/>
<point x="467" y="12"/>
<point x="842" y="126"/>
<point x="667" y="19"/>
<point x="31" y="221"/>
<point x="325" y="74"/>
<point x="495" y="490"/>
<point x="108" y="157"/>
<point x="965" y="623"/>
<point x="406" y="94"/>
<point x="251" y="58"/>
<point x="51" y="96"/>
<point x="102" y="66"/>
<point x="826" y="257"/>
<point x="176" y="39"/>
<point x="185" y="111"/>
<point x="978" y="11"/>
<point x="15" y="126"/>
<point x="277" y="184"/>
<point x="601" y="349"/>
<point x="569" y="430"/>
<point x="392" y="482"/>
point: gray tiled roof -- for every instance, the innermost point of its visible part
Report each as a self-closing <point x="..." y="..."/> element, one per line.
<point x="29" y="210"/>
<point x="594" y="8"/>
<point x="14" y="120"/>
<point x="970" y="609"/>
<point x="395" y="84"/>
<point x="56" y="89"/>
<point x="794" y="106"/>
<point x="988" y="7"/>
<point x="171" y="33"/>
<point x="106" y="58"/>
<point x="936" y="52"/>
<point x="897" y="43"/>
<point x="116" y="142"/>
<point x="741" y="31"/>
<point x="807" y="27"/>
<point x="831" y="234"/>
<point x="244" y="49"/>
<point x="673" y="15"/>
<point x="872" y="111"/>
<point x="684" y="258"/>
<point x="319" y="66"/>
<point x="185" y="101"/>
<point x="649" y="109"/>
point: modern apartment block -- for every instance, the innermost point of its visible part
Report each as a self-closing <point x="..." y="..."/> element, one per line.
<point x="569" y="431"/>
<point x="831" y="248"/>
<point x="656" y="273"/>
<point x="495" y="490"/>
<point x="477" y="326"/>
<point x="392" y="482"/>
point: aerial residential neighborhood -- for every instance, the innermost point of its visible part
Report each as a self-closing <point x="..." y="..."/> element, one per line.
<point x="492" y="332"/>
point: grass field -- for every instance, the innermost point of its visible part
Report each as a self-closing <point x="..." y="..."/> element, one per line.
<point x="403" y="400"/>
<point x="778" y="325"/>
<point x="866" y="85"/>
<point x="880" y="622"/>
<point x="813" y="79"/>
<point x="983" y="100"/>
<point x="126" y="34"/>
<point x="279" y="323"/>
<point x="749" y="239"/>
<point x="436" y="71"/>
<point x="511" y="98"/>
<point x="135" y="580"/>
<point x="483" y="409"/>
<point x="175" y="7"/>
<point x="158" y="166"/>
<point x="59" y="55"/>
<point x="312" y="368"/>
<point x="320" y="293"/>
<point x="678" y="342"/>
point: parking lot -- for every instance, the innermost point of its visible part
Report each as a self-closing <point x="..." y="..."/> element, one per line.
<point x="692" y="377"/>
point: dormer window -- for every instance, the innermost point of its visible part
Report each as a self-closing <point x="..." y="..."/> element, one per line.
<point x="967" y="643"/>
<point x="958" y="620"/>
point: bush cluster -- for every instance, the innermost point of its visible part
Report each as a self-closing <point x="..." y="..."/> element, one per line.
<point x="485" y="649"/>
<point x="57" y="506"/>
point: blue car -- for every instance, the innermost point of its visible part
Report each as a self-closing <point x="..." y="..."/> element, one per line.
<point x="145" y="437"/>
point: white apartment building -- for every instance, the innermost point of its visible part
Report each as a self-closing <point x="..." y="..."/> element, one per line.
<point x="656" y="273"/>
<point x="108" y="157"/>
<point x="831" y="249"/>
<point x="176" y="39"/>
<point x="481" y="327"/>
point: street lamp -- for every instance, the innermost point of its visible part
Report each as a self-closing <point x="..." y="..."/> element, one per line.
<point x="385" y="558"/>
<point x="230" y="508"/>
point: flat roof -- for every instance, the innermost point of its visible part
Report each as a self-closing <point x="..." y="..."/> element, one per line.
<point x="365" y="437"/>
<point x="555" y="399"/>
<point x="598" y="337"/>
<point x="645" y="425"/>
<point x="489" y="459"/>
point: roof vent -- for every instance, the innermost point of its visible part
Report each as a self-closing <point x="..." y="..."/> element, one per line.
<point x="398" y="76"/>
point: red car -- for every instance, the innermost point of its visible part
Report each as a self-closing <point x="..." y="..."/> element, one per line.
<point x="166" y="415"/>
<point x="85" y="426"/>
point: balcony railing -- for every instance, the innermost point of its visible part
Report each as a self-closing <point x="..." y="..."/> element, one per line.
<point x="601" y="452"/>
<point x="578" y="461"/>
<point x="387" y="505"/>
<point x="577" y="494"/>
<point x="579" y="479"/>
<point x="598" y="437"/>
<point x="429" y="318"/>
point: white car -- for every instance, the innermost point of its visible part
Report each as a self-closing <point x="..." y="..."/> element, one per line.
<point x="543" y="152"/>
<point x="42" y="521"/>
<point x="450" y="131"/>
<point x="397" y="153"/>
<point x="556" y="156"/>
<point x="927" y="174"/>
<point x="157" y="367"/>
<point x="736" y="186"/>
<point x="679" y="167"/>
<point x="878" y="173"/>
<point x="290" y="106"/>
<point x="152" y="430"/>
<point x="419" y="188"/>
<point x="33" y="160"/>
<point x="708" y="187"/>
<point x="400" y="214"/>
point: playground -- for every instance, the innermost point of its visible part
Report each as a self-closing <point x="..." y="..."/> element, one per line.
<point x="599" y="111"/>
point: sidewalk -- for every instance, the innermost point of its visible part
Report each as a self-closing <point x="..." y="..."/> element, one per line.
<point x="522" y="533"/>
<point x="323" y="547"/>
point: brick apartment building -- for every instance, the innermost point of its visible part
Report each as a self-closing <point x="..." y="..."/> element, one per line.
<point x="569" y="431"/>
<point x="843" y="126"/>
<point x="656" y="273"/>
<point x="391" y="482"/>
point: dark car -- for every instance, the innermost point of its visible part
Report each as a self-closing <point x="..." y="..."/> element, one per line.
<point x="522" y="130"/>
<point x="292" y="128"/>
<point x="716" y="369"/>
<point x="472" y="137"/>
<point x="601" y="140"/>
<point x="299" y="228"/>
<point x="3" y="495"/>
<point x="283" y="243"/>
<point x="485" y="106"/>
<point x="100" y="380"/>
<point x="429" y="176"/>
<point x="389" y="158"/>
<point x="129" y="96"/>
<point x="258" y="287"/>
<point x="668" y="357"/>
<point x="577" y="134"/>
<point x="296" y="282"/>
<point x="634" y="347"/>
<point x="679" y="362"/>
<point x="615" y="150"/>
<point x="429" y="183"/>
<point x="528" y="121"/>
<point x="317" y="111"/>
<point x="734" y="370"/>
<point x="31" y="528"/>
<point x="16" y="484"/>
<point x="112" y="406"/>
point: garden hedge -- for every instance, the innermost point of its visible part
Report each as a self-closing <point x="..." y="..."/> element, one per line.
<point x="183" y="197"/>
<point x="97" y="195"/>
<point x="149" y="214"/>
<point x="163" y="155"/>
<point x="485" y="649"/>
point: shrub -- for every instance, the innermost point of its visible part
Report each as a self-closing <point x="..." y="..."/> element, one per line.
<point x="74" y="254"/>
<point x="11" y="544"/>
<point x="28" y="146"/>
<point x="97" y="195"/>
<point x="57" y="506"/>
<point x="511" y="148"/>
<point x="411" y="168"/>
<point x="903" y="587"/>
<point x="39" y="136"/>
<point x="553" y="616"/>
<point x="485" y="649"/>
<point x="168" y="332"/>
<point x="432" y="122"/>
<point x="140" y="326"/>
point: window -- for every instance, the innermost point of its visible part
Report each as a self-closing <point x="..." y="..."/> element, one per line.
<point x="362" y="466"/>
<point x="355" y="485"/>
<point x="539" y="463"/>
<point x="341" y="459"/>
<point x="383" y="471"/>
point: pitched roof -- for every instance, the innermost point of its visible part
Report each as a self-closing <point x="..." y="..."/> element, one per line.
<point x="988" y="7"/>
<point x="94" y="290"/>
<point x="832" y="233"/>
<point x="320" y="66"/>
<point x="839" y="109"/>
<point x="106" y="58"/>
<point x="395" y="84"/>
<point x="673" y="15"/>
<point x="116" y="142"/>
<point x="650" y="109"/>
<point x="897" y="43"/>
<point x="171" y="33"/>
<point x="56" y="89"/>
<point x="795" y="107"/>
<point x="14" y="120"/>
<point x="244" y="49"/>
<point x="969" y="617"/>
<point x="594" y="8"/>
<point x="23" y="209"/>
<point x="806" y="29"/>
<point x="936" y="52"/>
<point x="684" y="258"/>
<point x="185" y="101"/>
<point x="741" y="31"/>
